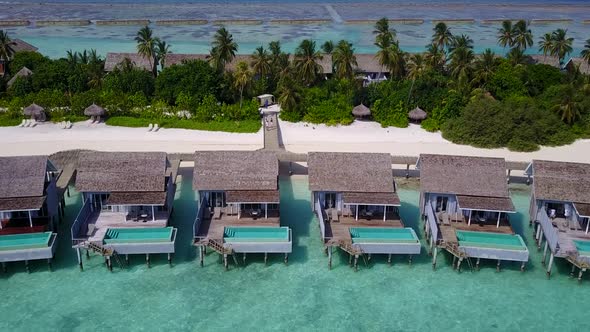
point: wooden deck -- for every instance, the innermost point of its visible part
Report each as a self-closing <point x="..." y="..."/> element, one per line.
<point x="448" y="234"/>
<point x="212" y="228"/>
<point x="339" y="232"/>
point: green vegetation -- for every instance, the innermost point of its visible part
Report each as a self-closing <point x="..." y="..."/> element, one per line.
<point x="479" y="99"/>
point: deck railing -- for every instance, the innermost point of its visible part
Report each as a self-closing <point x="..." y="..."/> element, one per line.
<point x="199" y="218"/>
<point x="549" y="231"/>
<point x="80" y="226"/>
<point x="431" y="220"/>
<point x="320" y="213"/>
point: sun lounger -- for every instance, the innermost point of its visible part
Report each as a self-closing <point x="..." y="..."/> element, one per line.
<point x="68" y="125"/>
<point x="150" y="127"/>
<point x="34" y="124"/>
<point x="563" y="226"/>
<point x="156" y="128"/>
<point x="445" y="219"/>
<point x="22" y="124"/>
<point x="217" y="212"/>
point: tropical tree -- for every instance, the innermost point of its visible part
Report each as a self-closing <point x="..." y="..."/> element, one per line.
<point x="328" y="47"/>
<point x="72" y="58"/>
<point x="585" y="54"/>
<point x="506" y="34"/>
<point x="383" y="33"/>
<point x="442" y="36"/>
<point x="344" y="60"/>
<point x="242" y="78"/>
<point x="561" y="45"/>
<point x="162" y="51"/>
<point x="223" y="49"/>
<point x="434" y="57"/>
<point x="568" y="108"/>
<point x="261" y="62"/>
<point x="523" y="37"/>
<point x="416" y="68"/>
<point x="146" y="46"/>
<point x="516" y="57"/>
<point x="306" y="62"/>
<point x="289" y="93"/>
<point x="6" y="46"/>
<point x="484" y="67"/>
<point x="462" y="41"/>
<point x="461" y="64"/>
<point x="546" y="44"/>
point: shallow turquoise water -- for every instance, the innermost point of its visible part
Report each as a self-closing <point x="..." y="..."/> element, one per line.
<point x="304" y="295"/>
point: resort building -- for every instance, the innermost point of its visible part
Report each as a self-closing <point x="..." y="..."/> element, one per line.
<point x="560" y="209"/>
<point x="466" y="206"/>
<point x="355" y="199"/>
<point x="239" y="205"/>
<point x="29" y="206"/>
<point x="127" y="203"/>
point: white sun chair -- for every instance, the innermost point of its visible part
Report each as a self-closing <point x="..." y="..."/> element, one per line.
<point x="156" y="127"/>
<point x="27" y="123"/>
<point x="150" y="127"/>
<point x="68" y="125"/>
<point x="34" y="123"/>
<point x="91" y="228"/>
<point x="22" y="124"/>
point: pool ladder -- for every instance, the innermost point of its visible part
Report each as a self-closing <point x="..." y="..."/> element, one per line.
<point x="222" y="250"/>
<point x="104" y="251"/>
<point x="454" y="249"/>
<point x="353" y="251"/>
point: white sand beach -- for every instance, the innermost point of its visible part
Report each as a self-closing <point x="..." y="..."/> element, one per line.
<point x="48" y="138"/>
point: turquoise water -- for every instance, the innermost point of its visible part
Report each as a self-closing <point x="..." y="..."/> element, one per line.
<point x="304" y="295"/>
<point x="487" y="239"/>
<point x="119" y="235"/>
<point x="383" y="234"/>
<point x="583" y="247"/>
<point x="24" y="241"/>
<point x="256" y="233"/>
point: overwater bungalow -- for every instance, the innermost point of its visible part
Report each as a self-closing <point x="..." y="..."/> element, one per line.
<point x="466" y="206"/>
<point x="560" y="210"/>
<point x="29" y="206"/>
<point x="127" y="203"/>
<point x="239" y="205"/>
<point x="355" y="199"/>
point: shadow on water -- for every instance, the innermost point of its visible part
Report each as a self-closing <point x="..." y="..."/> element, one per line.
<point x="183" y="216"/>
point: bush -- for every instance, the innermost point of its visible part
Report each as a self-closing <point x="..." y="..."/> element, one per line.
<point x="130" y="82"/>
<point x="390" y="115"/>
<point x="194" y="78"/>
<point x="430" y="125"/>
<point x="506" y="82"/>
<point x="333" y="111"/>
<point x="517" y="144"/>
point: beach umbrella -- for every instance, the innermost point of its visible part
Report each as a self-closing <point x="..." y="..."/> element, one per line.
<point x="361" y="110"/>
<point x="417" y="114"/>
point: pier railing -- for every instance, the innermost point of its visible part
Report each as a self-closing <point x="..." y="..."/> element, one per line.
<point x="80" y="226"/>
<point x="431" y="220"/>
<point x="199" y="219"/>
<point x="549" y="231"/>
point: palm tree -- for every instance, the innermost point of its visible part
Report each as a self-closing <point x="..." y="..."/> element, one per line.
<point x="442" y="36"/>
<point x="523" y="37"/>
<point x="289" y="93"/>
<point x="6" y="46"/>
<point x="484" y="67"/>
<point x="568" y="108"/>
<point x="328" y="47"/>
<point x="146" y="46"/>
<point x="261" y="62"/>
<point x="242" y="78"/>
<point x="516" y="57"/>
<point x="585" y="54"/>
<point x="344" y="60"/>
<point x="397" y="65"/>
<point x="462" y="41"/>
<point x="561" y="46"/>
<point x="383" y="55"/>
<point x="461" y="64"/>
<point x="223" y="49"/>
<point x="506" y="34"/>
<point x="546" y="44"/>
<point x="416" y="68"/>
<point x="306" y="61"/>
<point x="72" y="58"/>
<point x="384" y="34"/>
<point x="162" y="51"/>
<point x="434" y="57"/>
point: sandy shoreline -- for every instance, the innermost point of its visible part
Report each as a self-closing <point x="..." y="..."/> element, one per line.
<point x="48" y="138"/>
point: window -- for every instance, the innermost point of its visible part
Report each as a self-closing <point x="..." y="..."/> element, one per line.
<point x="441" y="203"/>
<point x="273" y="206"/>
<point x="330" y="200"/>
<point x="216" y="199"/>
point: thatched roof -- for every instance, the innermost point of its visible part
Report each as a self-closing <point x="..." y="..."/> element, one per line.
<point x="582" y="65"/>
<point x="545" y="60"/>
<point x="561" y="181"/>
<point x="350" y="172"/>
<point x="367" y="63"/>
<point x="94" y="110"/>
<point x="114" y="59"/>
<point x="371" y="198"/>
<point x="417" y="114"/>
<point x="22" y="203"/>
<point x="252" y="196"/>
<point x="462" y="175"/>
<point x="361" y="110"/>
<point x="235" y="170"/>
<point x="137" y="198"/>
<point x="23" y="72"/>
<point x="485" y="203"/>
<point x="176" y="59"/>
<point x="22" y="46"/>
<point x="33" y="110"/>
<point x="121" y="171"/>
<point x="22" y="176"/>
<point x="583" y="209"/>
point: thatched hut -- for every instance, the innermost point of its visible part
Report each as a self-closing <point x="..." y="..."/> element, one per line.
<point x="36" y="112"/>
<point x="95" y="112"/>
<point x="24" y="72"/>
<point x="417" y="115"/>
<point x="361" y="111"/>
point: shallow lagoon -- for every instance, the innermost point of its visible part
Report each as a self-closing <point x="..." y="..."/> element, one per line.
<point x="304" y="295"/>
